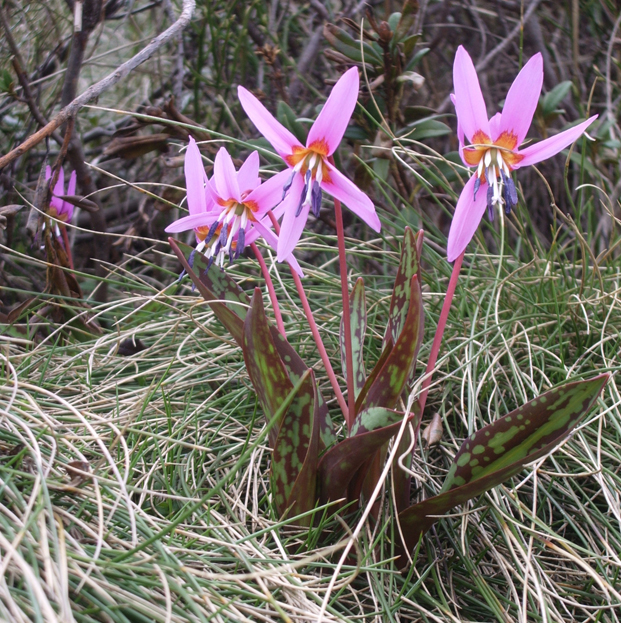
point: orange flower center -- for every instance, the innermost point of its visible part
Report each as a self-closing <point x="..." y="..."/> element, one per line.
<point x="312" y="158"/>
<point x="503" y="147"/>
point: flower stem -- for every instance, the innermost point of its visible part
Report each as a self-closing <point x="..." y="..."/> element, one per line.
<point x="270" y="289"/>
<point x="349" y="358"/>
<point x="437" y="340"/>
<point x="315" y="332"/>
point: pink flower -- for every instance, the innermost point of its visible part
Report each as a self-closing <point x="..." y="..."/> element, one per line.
<point x="229" y="211"/>
<point x="494" y="144"/>
<point x="311" y="169"/>
<point x="62" y="210"/>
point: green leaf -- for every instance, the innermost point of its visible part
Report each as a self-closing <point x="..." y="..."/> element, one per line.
<point x="392" y="378"/>
<point x="358" y="326"/>
<point x="426" y="128"/>
<point x="416" y="59"/>
<point x="286" y="116"/>
<point x="216" y="286"/>
<point x="502" y="449"/>
<point x="294" y="461"/>
<point x="263" y="363"/>
<point x="296" y="367"/>
<point x="341" y="463"/>
<point x="551" y="100"/>
<point x="344" y="43"/>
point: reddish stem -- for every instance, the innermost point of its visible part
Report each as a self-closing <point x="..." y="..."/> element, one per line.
<point x="63" y="231"/>
<point x="270" y="289"/>
<point x="349" y="358"/>
<point x="437" y="340"/>
<point x="315" y="332"/>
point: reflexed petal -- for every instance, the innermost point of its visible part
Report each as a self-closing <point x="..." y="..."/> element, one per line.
<point x="522" y="99"/>
<point x="460" y="135"/>
<point x="281" y="139"/>
<point x="494" y="126"/>
<point x="70" y="191"/>
<point x="551" y="146"/>
<point x="225" y="176"/>
<point x="346" y="191"/>
<point x="248" y="174"/>
<point x="195" y="179"/>
<point x="292" y="225"/>
<point x="191" y="221"/>
<point x="469" y="102"/>
<point x="332" y="121"/>
<point x="269" y="194"/>
<point x="468" y="215"/>
<point x="270" y="237"/>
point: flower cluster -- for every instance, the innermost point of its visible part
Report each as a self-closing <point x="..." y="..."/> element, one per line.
<point x="231" y="210"/>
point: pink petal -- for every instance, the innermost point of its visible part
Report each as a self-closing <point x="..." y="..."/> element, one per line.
<point x="281" y="139"/>
<point x="468" y="215"/>
<point x="192" y="221"/>
<point x="195" y="179"/>
<point x="333" y="119"/>
<point x="346" y="191"/>
<point x="68" y="207"/>
<point x="292" y="225"/>
<point x="269" y="194"/>
<point x="59" y="189"/>
<point x="469" y="102"/>
<point x="551" y="146"/>
<point x="460" y="135"/>
<point x="271" y="239"/>
<point x="494" y="126"/>
<point x="72" y="183"/>
<point x="225" y="176"/>
<point x="522" y="99"/>
<point x="248" y="174"/>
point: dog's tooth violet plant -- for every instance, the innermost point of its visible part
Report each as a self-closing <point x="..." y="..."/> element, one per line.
<point x="311" y="462"/>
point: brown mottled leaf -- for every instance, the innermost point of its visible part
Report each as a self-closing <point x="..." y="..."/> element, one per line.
<point x="294" y="461"/>
<point x="296" y="367"/>
<point x="263" y="363"/>
<point x="358" y="326"/>
<point x="409" y="265"/>
<point x="340" y="464"/>
<point x="392" y="378"/>
<point x="228" y="315"/>
<point x="377" y="368"/>
<point x="500" y="450"/>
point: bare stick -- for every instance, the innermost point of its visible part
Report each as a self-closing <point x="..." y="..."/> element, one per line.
<point x="98" y="88"/>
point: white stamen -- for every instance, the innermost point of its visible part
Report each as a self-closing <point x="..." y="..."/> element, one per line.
<point x="319" y="174"/>
<point x="244" y="219"/>
<point x="488" y="158"/>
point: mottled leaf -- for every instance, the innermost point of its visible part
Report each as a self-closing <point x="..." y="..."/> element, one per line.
<point x="294" y="461"/>
<point x="358" y="326"/>
<point x="502" y="449"/>
<point x="227" y="316"/>
<point x="374" y="372"/>
<point x="263" y="363"/>
<point x="295" y="367"/>
<point x="409" y="265"/>
<point x="341" y="463"/>
<point x="392" y="378"/>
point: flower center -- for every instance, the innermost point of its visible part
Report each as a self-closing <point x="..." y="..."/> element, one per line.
<point x="310" y="162"/>
<point x="494" y="162"/>
<point x="227" y="233"/>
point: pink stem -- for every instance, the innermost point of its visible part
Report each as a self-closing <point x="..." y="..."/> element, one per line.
<point x="63" y="231"/>
<point x="437" y="340"/>
<point x="315" y="332"/>
<point x="270" y="289"/>
<point x="349" y="357"/>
